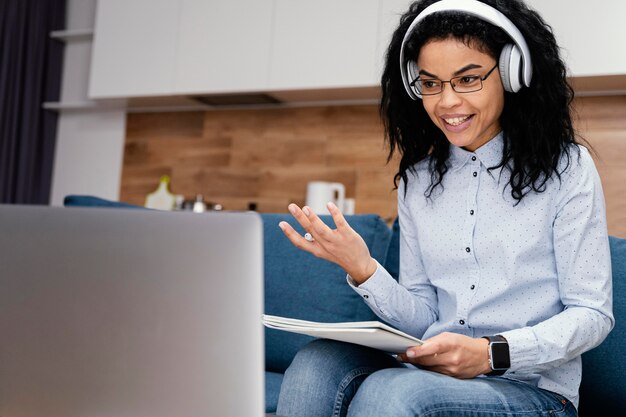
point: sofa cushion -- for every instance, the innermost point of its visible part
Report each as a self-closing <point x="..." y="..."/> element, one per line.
<point x="603" y="384"/>
<point x="273" y="381"/>
<point x="299" y="285"/>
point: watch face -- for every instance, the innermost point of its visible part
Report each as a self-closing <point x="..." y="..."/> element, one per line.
<point x="500" y="355"/>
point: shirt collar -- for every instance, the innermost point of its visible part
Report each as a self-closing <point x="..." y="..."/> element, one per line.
<point x="490" y="154"/>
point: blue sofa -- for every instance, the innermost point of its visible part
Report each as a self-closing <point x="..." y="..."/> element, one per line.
<point x="301" y="286"/>
<point x="309" y="288"/>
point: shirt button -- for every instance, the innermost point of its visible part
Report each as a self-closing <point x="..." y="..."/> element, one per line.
<point x="461" y="322"/>
<point x="473" y="158"/>
<point x="472" y="287"/>
<point x="471" y="212"/>
<point x="467" y="250"/>
<point x="475" y="174"/>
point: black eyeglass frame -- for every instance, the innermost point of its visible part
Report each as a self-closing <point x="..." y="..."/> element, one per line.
<point x="450" y="81"/>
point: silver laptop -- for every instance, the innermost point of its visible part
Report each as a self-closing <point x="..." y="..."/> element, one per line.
<point x="130" y="313"/>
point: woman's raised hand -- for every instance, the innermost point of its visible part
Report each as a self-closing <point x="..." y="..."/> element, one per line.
<point x="342" y="246"/>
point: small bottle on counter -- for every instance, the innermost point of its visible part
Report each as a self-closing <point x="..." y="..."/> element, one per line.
<point x="199" y="206"/>
<point x="161" y="198"/>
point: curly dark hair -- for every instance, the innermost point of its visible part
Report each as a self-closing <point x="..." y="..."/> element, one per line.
<point x="536" y="121"/>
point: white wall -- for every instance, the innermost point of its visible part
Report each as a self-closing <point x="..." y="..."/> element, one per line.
<point x="89" y="153"/>
<point x="90" y="142"/>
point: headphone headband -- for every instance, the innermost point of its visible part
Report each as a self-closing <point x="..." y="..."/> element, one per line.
<point x="482" y="11"/>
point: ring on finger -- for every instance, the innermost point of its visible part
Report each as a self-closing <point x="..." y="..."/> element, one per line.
<point x="309" y="237"/>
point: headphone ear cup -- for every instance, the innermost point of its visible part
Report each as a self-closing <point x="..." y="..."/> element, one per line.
<point x="412" y="73"/>
<point x="510" y="65"/>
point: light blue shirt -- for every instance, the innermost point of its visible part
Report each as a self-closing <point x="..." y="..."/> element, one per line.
<point x="472" y="262"/>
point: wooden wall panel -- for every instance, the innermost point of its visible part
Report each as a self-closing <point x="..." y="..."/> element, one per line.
<point x="236" y="157"/>
<point x="266" y="157"/>
<point x="602" y="122"/>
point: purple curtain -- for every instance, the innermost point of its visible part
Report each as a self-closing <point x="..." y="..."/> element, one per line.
<point x="30" y="73"/>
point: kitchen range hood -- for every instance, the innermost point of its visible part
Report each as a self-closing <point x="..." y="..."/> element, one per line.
<point x="221" y="100"/>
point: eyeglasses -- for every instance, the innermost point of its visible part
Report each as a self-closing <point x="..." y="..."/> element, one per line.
<point x="460" y="84"/>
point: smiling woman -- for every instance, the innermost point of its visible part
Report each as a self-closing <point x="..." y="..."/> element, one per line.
<point x="504" y="258"/>
<point x="468" y="117"/>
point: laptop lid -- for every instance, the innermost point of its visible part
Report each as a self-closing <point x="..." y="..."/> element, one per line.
<point x="130" y="313"/>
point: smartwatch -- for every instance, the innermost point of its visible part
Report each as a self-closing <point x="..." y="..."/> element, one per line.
<point x="499" y="358"/>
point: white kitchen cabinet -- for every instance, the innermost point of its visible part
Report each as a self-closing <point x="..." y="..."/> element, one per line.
<point x="223" y="46"/>
<point x="134" y="52"/>
<point x="590" y="35"/>
<point x="391" y="11"/>
<point x="145" y="48"/>
<point x="324" y="44"/>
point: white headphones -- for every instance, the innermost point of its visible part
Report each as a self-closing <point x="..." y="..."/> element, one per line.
<point x="515" y="63"/>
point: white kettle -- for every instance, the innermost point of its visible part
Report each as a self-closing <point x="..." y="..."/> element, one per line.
<point x="319" y="193"/>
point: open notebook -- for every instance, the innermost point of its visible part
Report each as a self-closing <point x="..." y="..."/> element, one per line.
<point x="367" y="333"/>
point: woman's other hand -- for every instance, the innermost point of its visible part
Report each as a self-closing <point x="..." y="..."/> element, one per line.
<point x="342" y="246"/>
<point x="451" y="354"/>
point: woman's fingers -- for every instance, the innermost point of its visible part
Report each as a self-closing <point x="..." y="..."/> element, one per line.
<point x="451" y="354"/>
<point x="318" y="229"/>
<point x="299" y="215"/>
<point x="294" y="237"/>
<point x="429" y="361"/>
<point x="311" y="223"/>
<point x="338" y="218"/>
<point x="427" y="349"/>
<point x="342" y="246"/>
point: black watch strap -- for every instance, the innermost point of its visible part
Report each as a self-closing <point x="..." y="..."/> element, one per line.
<point x="499" y="358"/>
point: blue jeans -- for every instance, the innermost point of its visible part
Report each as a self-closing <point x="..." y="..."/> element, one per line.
<point x="328" y="378"/>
